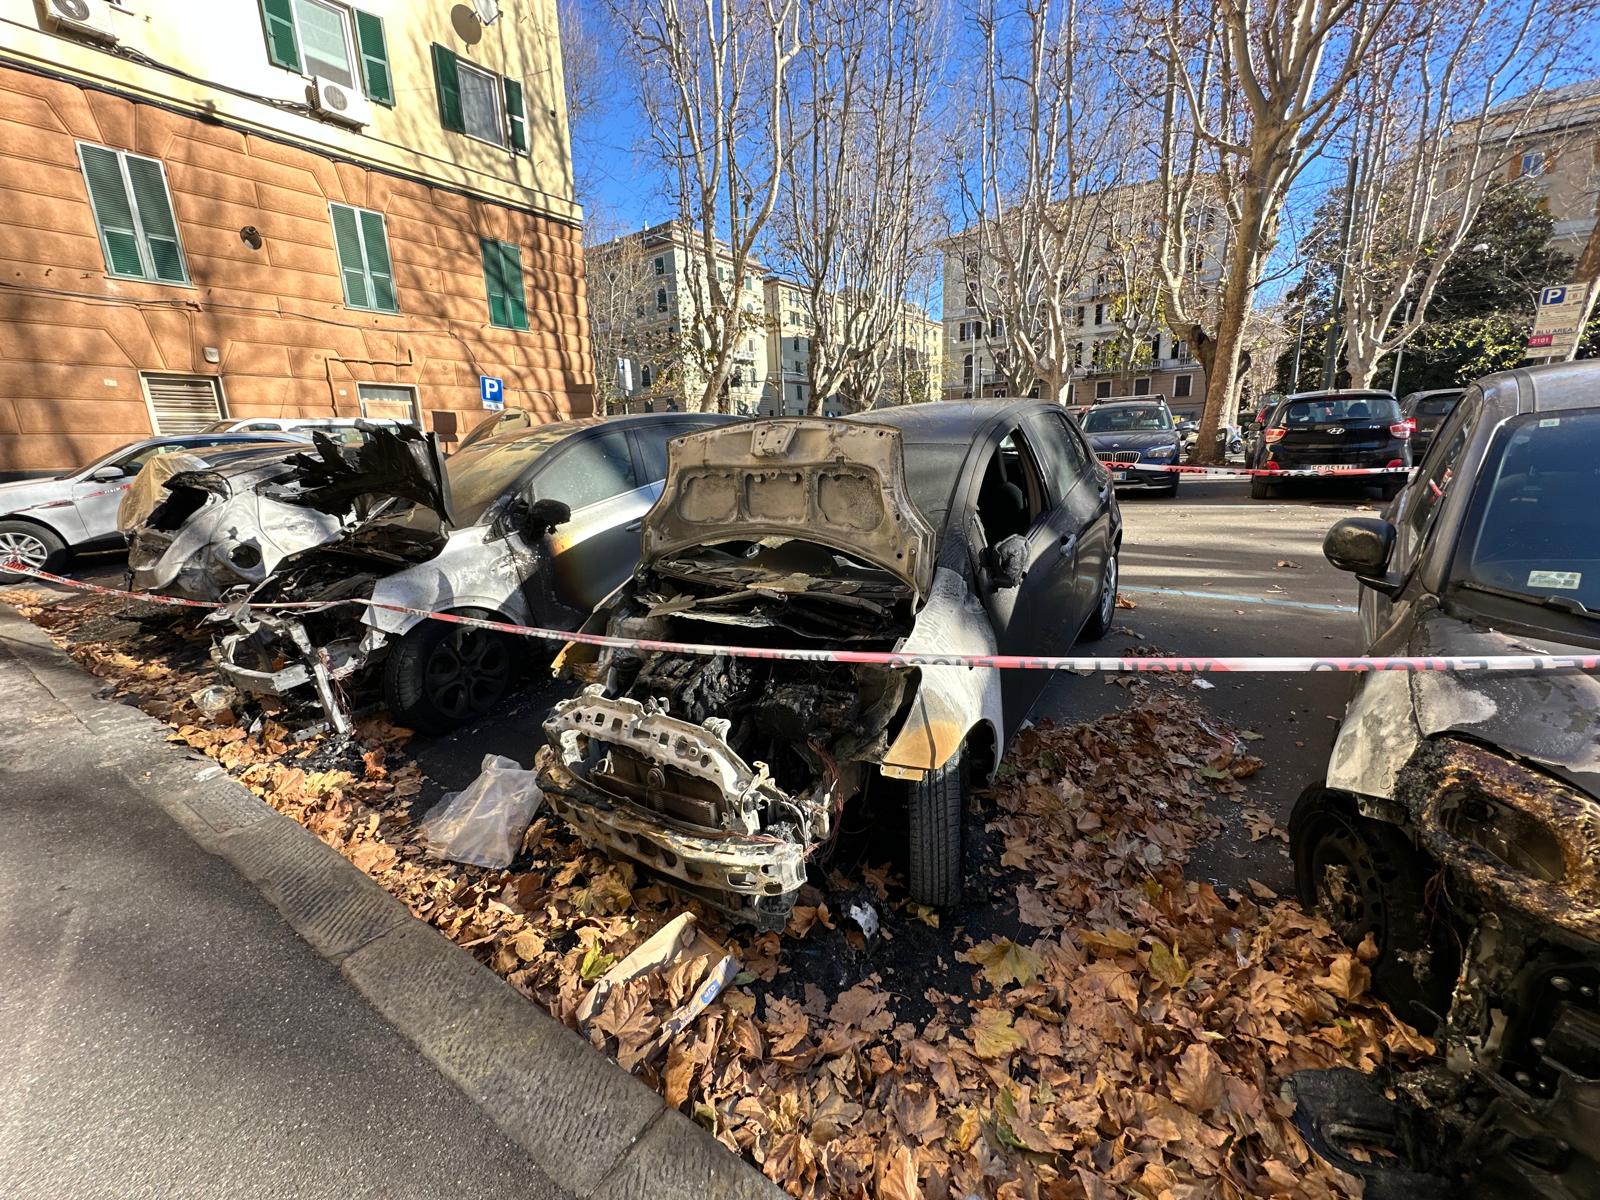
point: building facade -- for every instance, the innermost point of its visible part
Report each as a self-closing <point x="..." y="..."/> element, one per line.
<point x="280" y="208"/>
<point x="1555" y="153"/>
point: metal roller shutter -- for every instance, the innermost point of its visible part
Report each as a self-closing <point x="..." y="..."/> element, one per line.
<point x="183" y="403"/>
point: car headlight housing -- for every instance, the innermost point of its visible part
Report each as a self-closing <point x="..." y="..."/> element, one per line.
<point x="1161" y="452"/>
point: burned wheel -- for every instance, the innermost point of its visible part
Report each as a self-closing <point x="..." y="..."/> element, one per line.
<point x="1365" y="877"/>
<point x="442" y="676"/>
<point x="936" y="804"/>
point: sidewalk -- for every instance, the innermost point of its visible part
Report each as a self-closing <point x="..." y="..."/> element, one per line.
<point x="168" y="1033"/>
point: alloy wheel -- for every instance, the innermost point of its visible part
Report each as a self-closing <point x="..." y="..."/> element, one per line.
<point x="467" y="673"/>
<point x="23" y="547"/>
<point x="1108" y="591"/>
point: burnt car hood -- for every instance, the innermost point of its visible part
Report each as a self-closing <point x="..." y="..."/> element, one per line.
<point x="1548" y="718"/>
<point x="839" y="484"/>
<point x="393" y="462"/>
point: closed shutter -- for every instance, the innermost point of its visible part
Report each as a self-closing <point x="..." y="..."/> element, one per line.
<point x="134" y="213"/>
<point x="183" y="403"/>
<point x="516" y="117"/>
<point x="362" y="246"/>
<point x="277" y="18"/>
<point x="502" y="277"/>
<point x="113" y="211"/>
<point x="375" y="242"/>
<point x="374" y="49"/>
<point x="149" y="185"/>
<point x="447" y="80"/>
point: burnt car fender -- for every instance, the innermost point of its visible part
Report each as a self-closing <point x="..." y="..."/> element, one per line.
<point x="950" y="703"/>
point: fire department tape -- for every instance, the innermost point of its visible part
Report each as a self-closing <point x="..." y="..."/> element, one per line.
<point x="1246" y="472"/>
<point x="110" y="491"/>
<point x="880" y="658"/>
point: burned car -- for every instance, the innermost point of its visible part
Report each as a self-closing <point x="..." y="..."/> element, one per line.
<point x="530" y="527"/>
<point x="1458" y="826"/>
<point x="974" y="528"/>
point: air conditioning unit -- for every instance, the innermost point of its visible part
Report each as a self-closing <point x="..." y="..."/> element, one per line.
<point x="339" y="103"/>
<point x="84" y="18"/>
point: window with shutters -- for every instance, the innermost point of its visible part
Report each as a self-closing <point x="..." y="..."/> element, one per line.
<point x="479" y="103"/>
<point x="182" y="403"/>
<point x="330" y="41"/>
<point x="502" y="277"/>
<point x="361" y="244"/>
<point x="133" y="212"/>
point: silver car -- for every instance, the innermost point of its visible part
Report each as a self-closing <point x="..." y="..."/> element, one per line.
<point x="43" y="520"/>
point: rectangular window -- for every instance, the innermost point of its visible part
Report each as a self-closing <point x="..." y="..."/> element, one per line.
<point x="1141" y="387"/>
<point x="182" y="403"/>
<point x="362" y="245"/>
<point x="332" y="41"/>
<point x="1181" y="386"/>
<point x="479" y="103"/>
<point x="1533" y="163"/>
<point x="133" y="212"/>
<point x="388" y="402"/>
<point x="502" y="277"/>
<point x="1099" y="314"/>
<point x="1102" y="389"/>
<point x="661" y="266"/>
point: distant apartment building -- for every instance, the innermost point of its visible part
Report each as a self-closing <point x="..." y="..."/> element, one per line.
<point x="1555" y="153"/>
<point x="245" y="208"/>
<point x="1115" y="352"/>
<point x="650" y="289"/>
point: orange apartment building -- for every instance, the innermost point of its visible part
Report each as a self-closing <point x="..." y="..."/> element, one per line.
<point x="280" y="208"/>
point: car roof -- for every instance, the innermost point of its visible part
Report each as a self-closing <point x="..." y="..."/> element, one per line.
<point x="1554" y="387"/>
<point x="1388" y="395"/>
<point x="951" y="421"/>
<point x="1130" y="401"/>
<point x="1455" y="391"/>
<point x="191" y="439"/>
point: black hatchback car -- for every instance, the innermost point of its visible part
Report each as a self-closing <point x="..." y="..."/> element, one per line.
<point x="1458" y="825"/>
<point x="1348" y="429"/>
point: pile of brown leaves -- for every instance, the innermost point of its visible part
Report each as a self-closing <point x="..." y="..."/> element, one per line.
<point x="1127" y="1039"/>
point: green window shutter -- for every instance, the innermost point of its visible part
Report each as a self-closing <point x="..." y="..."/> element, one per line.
<point x="154" y="206"/>
<point x="511" y="274"/>
<point x="374" y="57"/>
<point x="516" y="117"/>
<point x="494" y="284"/>
<point x="278" y="19"/>
<point x="448" y="82"/>
<point x="113" y="211"/>
<point x="352" y="264"/>
<point x="375" y="240"/>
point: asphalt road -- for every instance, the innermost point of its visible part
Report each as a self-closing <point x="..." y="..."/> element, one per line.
<point x="1203" y="571"/>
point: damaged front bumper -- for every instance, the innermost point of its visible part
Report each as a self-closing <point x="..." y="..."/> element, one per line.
<point x="287" y="660"/>
<point x="747" y="870"/>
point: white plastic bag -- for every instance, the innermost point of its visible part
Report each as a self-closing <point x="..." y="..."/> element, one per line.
<point x="484" y="824"/>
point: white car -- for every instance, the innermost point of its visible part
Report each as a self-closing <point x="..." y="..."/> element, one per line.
<point x="340" y="429"/>
<point x="43" y="520"/>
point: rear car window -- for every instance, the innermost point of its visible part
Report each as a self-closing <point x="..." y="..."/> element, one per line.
<point x="1437" y="406"/>
<point x="1339" y="410"/>
<point x="1539" y="529"/>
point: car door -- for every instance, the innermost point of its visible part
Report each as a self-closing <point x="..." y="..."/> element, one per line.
<point x="1011" y="497"/>
<point x="96" y="500"/>
<point x="594" y="475"/>
<point x="1082" y="518"/>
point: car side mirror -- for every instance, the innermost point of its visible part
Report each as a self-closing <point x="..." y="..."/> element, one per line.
<point x="1008" y="563"/>
<point x="1362" y="546"/>
<point x="107" y="473"/>
<point x="544" y="515"/>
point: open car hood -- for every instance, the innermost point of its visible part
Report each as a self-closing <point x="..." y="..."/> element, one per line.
<point x="836" y="483"/>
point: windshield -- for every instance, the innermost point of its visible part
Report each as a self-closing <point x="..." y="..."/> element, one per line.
<point x="1123" y="418"/>
<point x="1437" y="406"/>
<point x="481" y="473"/>
<point x="931" y="470"/>
<point x="1341" y="410"/>
<point x="1538" y="527"/>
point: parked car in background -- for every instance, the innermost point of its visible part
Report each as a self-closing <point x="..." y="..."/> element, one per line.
<point x="1458" y="825"/>
<point x="42" y="521"/>
<point x="1424" y="412"/>
<point x="1127" y="433"/>
<point x="531" y="527"/>
<point x="340" y="429"/>
<point x="960" y="527"/>
<point x="1335" y="429"/>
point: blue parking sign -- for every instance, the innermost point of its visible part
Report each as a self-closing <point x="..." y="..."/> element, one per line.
<point x="493" y="391"/>
<point x="1553" y="295"/>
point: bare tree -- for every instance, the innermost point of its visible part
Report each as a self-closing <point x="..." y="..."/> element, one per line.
<point x="1432" y="131"/>
<point x="1040" y="167"/>
<point x="713" y="74"/>
<point x="856" y="204"/>
<point x="1250" y="93"/>
<point x="636" y="348"/>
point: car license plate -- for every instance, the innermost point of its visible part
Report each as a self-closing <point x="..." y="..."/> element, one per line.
<point x="1119" y="477"/>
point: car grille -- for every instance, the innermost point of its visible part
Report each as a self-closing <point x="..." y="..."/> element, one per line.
<point x="1119" y="456"/>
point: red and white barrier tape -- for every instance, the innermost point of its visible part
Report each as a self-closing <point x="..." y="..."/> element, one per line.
<point x="111" y="491"/>
<point x="1246" y="472"/>
<point x="889" y="658"/>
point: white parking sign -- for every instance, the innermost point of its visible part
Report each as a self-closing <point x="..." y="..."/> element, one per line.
<point x="1555" y="325"/>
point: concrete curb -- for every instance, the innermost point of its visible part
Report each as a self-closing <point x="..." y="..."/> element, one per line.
<point x="582" y="1119"/>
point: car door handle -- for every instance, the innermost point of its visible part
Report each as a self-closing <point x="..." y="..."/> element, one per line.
<point x="1069" y="545"/>
<point x="635" y="526"/>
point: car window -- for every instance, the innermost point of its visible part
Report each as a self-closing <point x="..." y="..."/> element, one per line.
<point x="1012" y="494"/>
<point x="480" y="474"/>
<point x="134" y="463"/>
<point x="1537" y="528"/>
<point x="1065" y="457"/>
<point x="1436" y="406"/>
<point x="1124" y="418"/>
<point x="653" y="441"/>
<point x="1439" y="468"/>
<point x="1335" y="410"/>
<point x="588" y="472"/>
<point x="932" y="469"/>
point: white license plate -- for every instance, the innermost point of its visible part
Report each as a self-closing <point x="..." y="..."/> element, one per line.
<point x="1119" y="477"/>
<point x="1337" y="467"/>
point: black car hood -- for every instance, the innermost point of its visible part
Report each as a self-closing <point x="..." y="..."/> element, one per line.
<point x="1548" y="718"/>
<point x="1136" y="439"/>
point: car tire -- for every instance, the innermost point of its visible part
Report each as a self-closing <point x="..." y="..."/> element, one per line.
<point x="1366" y="877"/>
<point x="1260" y="488"/>
<point x="935" y="810"/>
<point x="1105" y="607"/>
<point x="33" y="544"/>
<point x="1172" y="492"/>
<point x="441" y="676"/>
